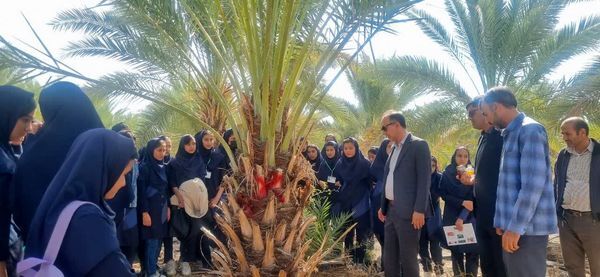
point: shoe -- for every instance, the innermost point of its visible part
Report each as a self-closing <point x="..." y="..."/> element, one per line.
<point x="171" y="268"/>
<point x="185" y="269"/>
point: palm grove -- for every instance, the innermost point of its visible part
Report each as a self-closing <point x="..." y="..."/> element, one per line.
<point x="259" y="67"/>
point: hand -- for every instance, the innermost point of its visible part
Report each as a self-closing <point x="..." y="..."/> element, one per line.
<point x="181" y="201"/>
<point x="146" y="220"/>
<point x="510" y="241"/>
<point x="381" y="216"/>
<point x="337" y="184"/>
<point x="168" y="214"/>
<point x="418" y="220"/>
<point x="3" y="272"/>
<point x="499" y="232"/>
<point x="459" y="224"/>
<point x="213" y="202"/>
<point x="466" y="179"/>
<point x="468" y="204"/>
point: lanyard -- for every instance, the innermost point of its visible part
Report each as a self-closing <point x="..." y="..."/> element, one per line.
<point x="330" y="167"/>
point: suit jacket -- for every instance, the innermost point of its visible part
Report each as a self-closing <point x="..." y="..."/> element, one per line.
<point x="560" y="180"/>
<point x="412" y="179"/>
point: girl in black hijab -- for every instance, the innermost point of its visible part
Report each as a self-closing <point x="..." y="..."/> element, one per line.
<point x="330" y="154"/>
<point x="353" y="196"/>
<point x="94" y="171"/>
<point x="67" y="113"/>
<point x="215" y="170"/>
<point x="152" y="202"/>
<point x="314" y="157"/>
<point x="16" y="113"/>
<point x="230" y="139"/>
<point x="187" y="165"/>
<point x="456" y="196"/>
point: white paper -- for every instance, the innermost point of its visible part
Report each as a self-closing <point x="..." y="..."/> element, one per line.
<point x="331" y="179"/>
<point x="208" y="175"/>
<point x="456" y="237"/>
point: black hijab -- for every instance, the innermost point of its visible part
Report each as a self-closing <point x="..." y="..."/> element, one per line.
<point x="14" y="103"/>
<point x="355" y="168"/>
<point x="187" y="166"/>
<point x="330" y="162"/>
<point x="67" y="113"/>
<point x="450" y="172"/>
<point x="91" y="167"/>
<point x="211" y="157"/>
<point x="151" y="162"/>
<point x="378" y="165"/>
<point x="316" y="163"/>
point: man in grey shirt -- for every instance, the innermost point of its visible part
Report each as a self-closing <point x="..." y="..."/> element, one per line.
<point x="577" y="189"/>
<point x="405" y="200"/>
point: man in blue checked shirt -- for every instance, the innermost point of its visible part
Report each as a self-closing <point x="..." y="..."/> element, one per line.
<point x="525" y="210"/>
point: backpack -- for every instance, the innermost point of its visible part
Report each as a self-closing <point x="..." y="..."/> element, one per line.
<point x="26" y="268"/>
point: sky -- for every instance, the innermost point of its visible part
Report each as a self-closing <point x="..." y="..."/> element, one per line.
<point x="407" y="41"/>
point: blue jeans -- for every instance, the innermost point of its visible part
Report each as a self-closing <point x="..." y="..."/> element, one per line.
<point x="152" y="252"/>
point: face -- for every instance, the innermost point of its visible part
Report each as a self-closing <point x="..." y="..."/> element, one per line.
<point x="371" y="156"/>
<point x="391" y="129"/>
<point x="168" y="146"/>
<point x="433" y="166"/>
<point x="231" y="140"/>
<point x="349" y="150"/>
<point x="208" y="141"/>
<point x="571" y="137"/>
<point x="478" y="121"/>
<point x="312" y="153"/>
<point x="462" y="157"/>
<point x="330" y="151"/>
<point x="35" y="127"/>
<point x="120" y="183"/>
<point x="190" y="148"/>
<point x="491" y="112"/>
<point x="160" y="152"/>
<point x="22" y="127"/>
<point x="329" y="138"/>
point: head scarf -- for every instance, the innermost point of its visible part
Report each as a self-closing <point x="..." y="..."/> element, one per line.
<point x="14" y="103"/>
<point x="316" y="163"/>
<point x="67" y="113"/>
<point x="450" y="172"/>
<point x="378" y="165"/>
<point x="330" y="162"/>
<point x="92" y="166"/>
<point x="354" y="168"/>
<point x="211" y="157"/>
<point x="149" y="160"/>
<point x="187" y="166"/>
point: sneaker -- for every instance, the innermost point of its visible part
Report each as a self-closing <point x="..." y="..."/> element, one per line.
<point x="185" y="269"/>
<point x="171" y="268"/>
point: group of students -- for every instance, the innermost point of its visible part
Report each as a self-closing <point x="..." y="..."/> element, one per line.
<point x="353" y="183"/>
<point x="121" y="199"/>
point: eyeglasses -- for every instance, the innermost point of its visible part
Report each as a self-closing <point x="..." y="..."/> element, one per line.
<point x="384" y="128"/>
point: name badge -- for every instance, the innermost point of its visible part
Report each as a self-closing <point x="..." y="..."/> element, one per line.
<point x="208" y="175"/>
<point x="331" y="179"/>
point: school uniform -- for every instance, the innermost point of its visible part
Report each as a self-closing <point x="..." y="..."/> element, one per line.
<point x="67" y="112"/>
<point x="90" y="246"/>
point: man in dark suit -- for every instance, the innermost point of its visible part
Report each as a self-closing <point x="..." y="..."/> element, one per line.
<point x="405" y="201"/>
<point x="487" y="170"/>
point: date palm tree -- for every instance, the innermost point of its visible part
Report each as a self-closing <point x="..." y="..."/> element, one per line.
<point x="272" y="55"/>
